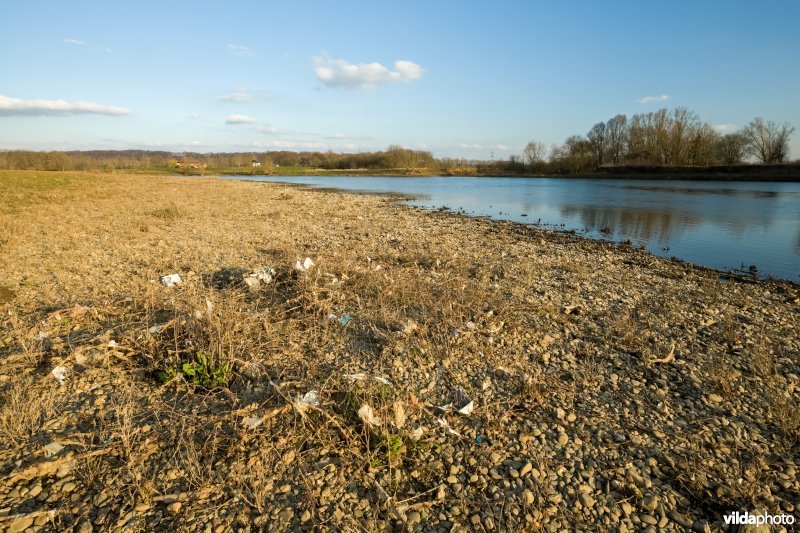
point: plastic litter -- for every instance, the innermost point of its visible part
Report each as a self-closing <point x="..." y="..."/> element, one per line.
<point x="467" y="409"/>
<point x="304" y="265"/>
<point x="252" y="422"/>
<point x="360" y="376"/>
<point x="343" y="320"/>
<point x="463" y="404"/>
<point x="308" y="400"/>
<point x="368" y="416"/>
<point x="60" y="373"/>
<point x="466" y="404"/>
<point x="256" y="278"/>
<point x="170" y="280"/>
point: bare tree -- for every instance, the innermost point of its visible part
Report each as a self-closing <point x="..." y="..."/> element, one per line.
<point x="700" y="145"/>
<point x="534" y="152"/>
<point x="768" y="141"/>
<point x="597" y="137"/>
<point x="617" y="138"/>
<point x="731" y="148"/>
<point x="685" y="132"/>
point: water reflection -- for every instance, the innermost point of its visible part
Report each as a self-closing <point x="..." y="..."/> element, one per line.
<point x="701" y="190"/>
<point x="631" y="224"/>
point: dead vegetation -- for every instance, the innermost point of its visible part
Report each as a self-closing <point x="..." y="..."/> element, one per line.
<point x="327" y="397"/>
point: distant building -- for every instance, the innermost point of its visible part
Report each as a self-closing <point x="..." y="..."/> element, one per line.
<point x="256" y="163"/>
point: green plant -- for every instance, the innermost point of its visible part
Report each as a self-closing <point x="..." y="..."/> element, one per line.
<point x="389" y="451"/>
<point x="202" y="372"/>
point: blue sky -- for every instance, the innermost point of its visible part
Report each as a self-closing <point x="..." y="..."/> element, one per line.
<point x="462" y="79"/>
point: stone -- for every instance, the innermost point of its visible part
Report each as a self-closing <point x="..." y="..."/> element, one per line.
<point x="649" y="503"/>
<point x="413" y="518"/>
<point x="627" y="508"/>
<point x="586" y="500"/>
<point x="20" y="524"/>
<point x="527" y="467"/>
<point x="714" y="398"/>
<point x="563" y="439"/>
<point x="527" y="497"/>
<point x="174" y="507"/>
<point x="679" y="519"/>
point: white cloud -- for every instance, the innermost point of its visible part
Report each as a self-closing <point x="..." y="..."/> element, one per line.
<point x="76" y="42"/>
<point x="365" y="76"/>
<point x="237" y="97"/>
<point x="726" y="128"/>
<point x="195" y="116"/>
<point x="239" y="119"/>
<point x="651" y="99"/>
<point x="16" y="106"/>
<point x="239" y="49"/>
<point x="500" y="147"/>
<point x="470" y="146"/>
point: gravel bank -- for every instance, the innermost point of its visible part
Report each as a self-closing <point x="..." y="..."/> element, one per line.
<point x="428" y="372"/>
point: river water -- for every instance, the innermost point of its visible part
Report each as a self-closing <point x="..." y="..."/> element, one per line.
<point x="723" y="225"/>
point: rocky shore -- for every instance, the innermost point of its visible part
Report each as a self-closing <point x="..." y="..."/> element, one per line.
<point x="421" y="371"/>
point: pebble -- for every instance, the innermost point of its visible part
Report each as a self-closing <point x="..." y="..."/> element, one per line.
<point x="174" y="507"/>
<point x="679" y="519"/>
<point x="527" y="497"/>
<point x="586" y="500"/>
<point x="649" y="503"/>
<point x="20" y="524"/>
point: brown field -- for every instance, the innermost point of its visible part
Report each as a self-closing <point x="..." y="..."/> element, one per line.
<point x="612" y="390"/>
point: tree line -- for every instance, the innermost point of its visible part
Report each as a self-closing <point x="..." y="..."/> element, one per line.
<point x="661" y="138"/>
<point x="394" y="157"/>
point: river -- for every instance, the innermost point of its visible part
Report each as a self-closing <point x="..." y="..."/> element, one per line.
<point x="729" y="226"/>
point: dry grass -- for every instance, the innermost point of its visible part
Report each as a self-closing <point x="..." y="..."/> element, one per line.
<point x="24" y="408"/>
<point x="393" y="295"/>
